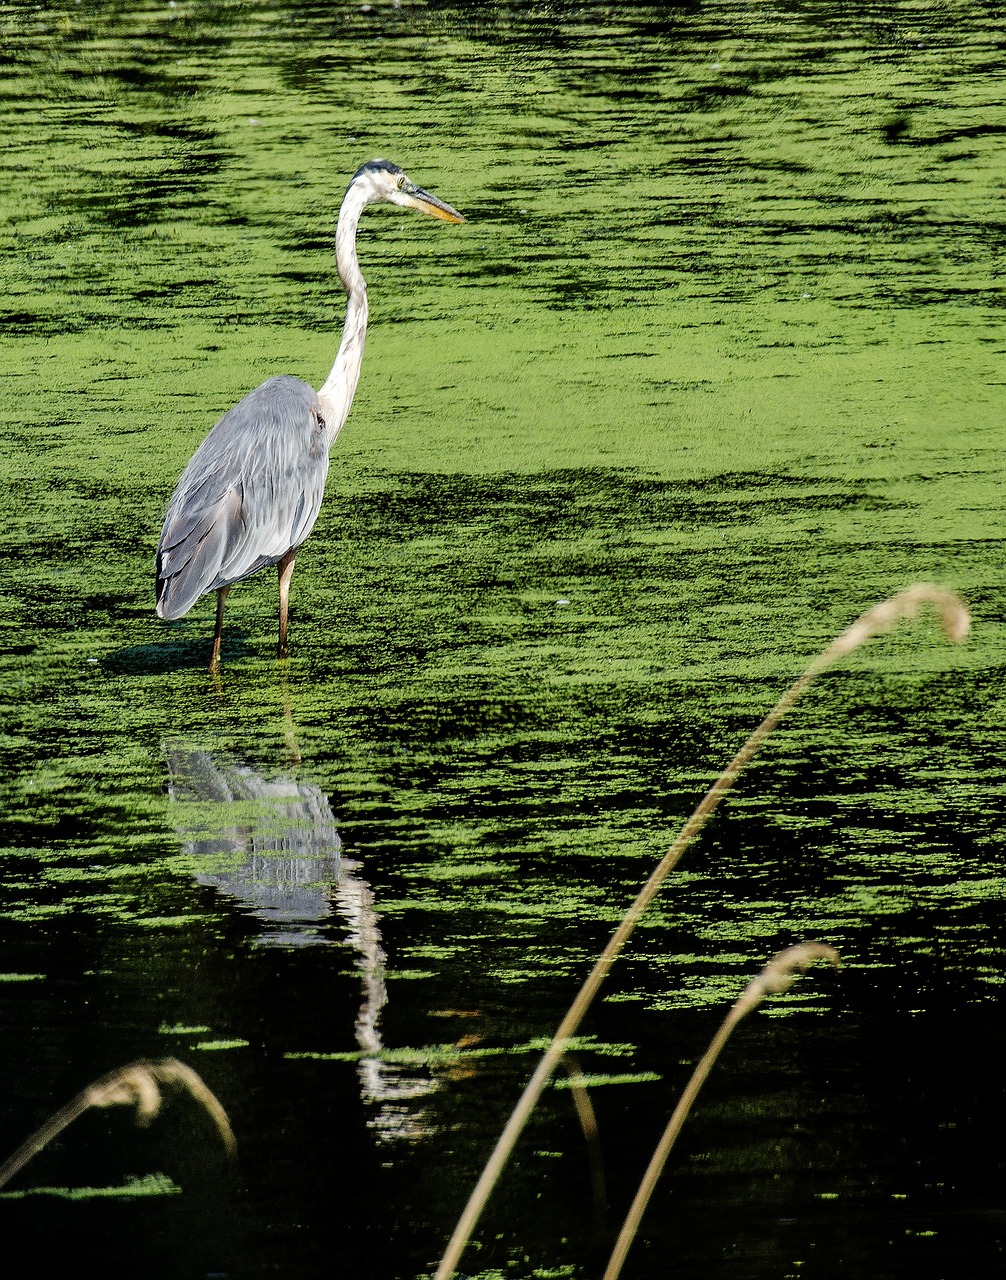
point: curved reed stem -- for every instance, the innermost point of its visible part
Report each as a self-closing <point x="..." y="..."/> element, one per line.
<point x="775" y="978"/>
<point x="953" y="617"/>
<point x="134" y="1085"/>
<point x="588" y="1123"/>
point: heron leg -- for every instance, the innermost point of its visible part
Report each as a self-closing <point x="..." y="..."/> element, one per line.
<point x="218" y="634"/>
<point x="285" y="570"/>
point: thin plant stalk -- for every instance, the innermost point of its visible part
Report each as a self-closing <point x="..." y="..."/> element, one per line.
<point x="775" y="978"/>
<point x="955" y="621"/>
<point x="134" y="1085"/>
<point x="588" y="1123"/>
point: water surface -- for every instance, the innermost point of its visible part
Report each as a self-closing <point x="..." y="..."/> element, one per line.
<point x="715" y="364"/>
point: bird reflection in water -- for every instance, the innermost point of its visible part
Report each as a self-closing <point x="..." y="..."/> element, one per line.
<point x="271" y="844"/>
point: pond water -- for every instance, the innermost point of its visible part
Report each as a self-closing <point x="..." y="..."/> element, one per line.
<point x="716" y="363"/>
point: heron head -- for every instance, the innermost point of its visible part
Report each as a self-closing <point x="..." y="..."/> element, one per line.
<point x="383" y="180"/>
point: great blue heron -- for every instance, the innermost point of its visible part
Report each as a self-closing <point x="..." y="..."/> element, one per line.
<point x="251" y="493"/>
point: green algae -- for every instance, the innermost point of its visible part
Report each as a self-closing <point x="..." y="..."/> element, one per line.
<point x="594" y="1080"/>
<point x="446" y="1055"/>
<point x="151" y="1184"/>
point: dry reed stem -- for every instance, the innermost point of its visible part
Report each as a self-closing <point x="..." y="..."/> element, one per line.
<point x="588" y="1123"/>
<point x="133" y="1085"/>
<point x="955" y="621"/>
<point x="776" y="977"/>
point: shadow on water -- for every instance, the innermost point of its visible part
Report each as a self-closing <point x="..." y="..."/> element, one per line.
<point x="578" y="501"/>
<point x="175" y="655"/>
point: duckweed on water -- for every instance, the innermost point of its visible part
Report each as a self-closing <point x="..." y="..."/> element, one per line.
<point x="151" y="1184"/>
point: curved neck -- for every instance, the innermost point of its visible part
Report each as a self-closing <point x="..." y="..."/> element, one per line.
<point x="336" y="395"/>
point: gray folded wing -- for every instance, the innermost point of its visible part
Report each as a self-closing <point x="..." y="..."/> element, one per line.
<point x="250" y="494"/>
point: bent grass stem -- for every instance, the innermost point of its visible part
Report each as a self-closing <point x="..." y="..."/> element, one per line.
<point x="955" y="621"/>
<point x="133" y="1085"/>
<point x="588" y="1123"/>
<point x="776" y="977"/>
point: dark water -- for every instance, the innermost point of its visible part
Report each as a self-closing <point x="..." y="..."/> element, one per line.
<point x="715" y="364"/>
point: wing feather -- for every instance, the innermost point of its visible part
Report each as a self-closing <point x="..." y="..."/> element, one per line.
<point x="250" y="494"/>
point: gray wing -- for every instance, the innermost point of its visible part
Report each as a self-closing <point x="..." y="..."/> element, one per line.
<point x="250" y="494"/>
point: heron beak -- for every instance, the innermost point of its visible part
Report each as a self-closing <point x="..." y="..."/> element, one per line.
<point x="419" y="199"/>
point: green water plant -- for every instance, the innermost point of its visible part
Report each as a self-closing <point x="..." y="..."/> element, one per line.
<point x="777" y="976"/>
<point x="955" y="621"/>
<point x="137" y="1085"/>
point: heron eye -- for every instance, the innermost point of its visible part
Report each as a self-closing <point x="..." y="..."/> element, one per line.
<point x="401" y="182"/>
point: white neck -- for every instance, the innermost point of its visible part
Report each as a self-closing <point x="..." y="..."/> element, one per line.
<point x="336" y="396"/>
